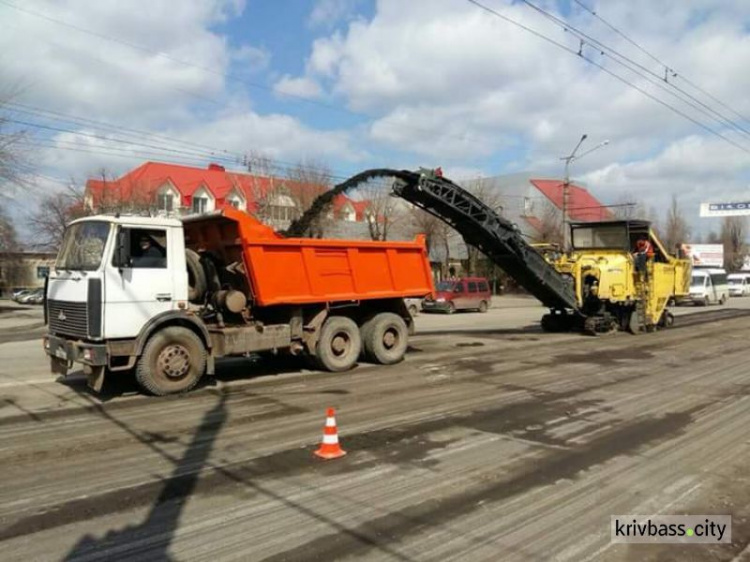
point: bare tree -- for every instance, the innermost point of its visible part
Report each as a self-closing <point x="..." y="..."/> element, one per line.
<point x="628" y="206"/>
<point x="550" y="224"/>
<point x="676" y="229"/>
<point x="384" y="211"/>
<point x="311" y="180"/>
<point x="55" y="210"/>
<point x="733" y="236"/>
<point x="484" y="191"/>
<point x="260" y="164"/>
<point x="422" y="222"/>
<point x="12" y="156"/>
<point x="12" y="264"/>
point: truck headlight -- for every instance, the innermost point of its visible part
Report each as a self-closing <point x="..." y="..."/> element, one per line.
<point x="440" y="300"/>
<point x="87" y="355"/>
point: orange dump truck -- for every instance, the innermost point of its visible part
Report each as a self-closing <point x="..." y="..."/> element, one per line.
<point x="166" y="297"/>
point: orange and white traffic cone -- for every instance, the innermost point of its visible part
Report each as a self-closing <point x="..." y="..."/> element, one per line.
<point x="330" y="448"/>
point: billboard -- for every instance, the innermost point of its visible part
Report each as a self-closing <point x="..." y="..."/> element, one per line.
<point x="726" y="209"/>
<point x="704" y="255"/>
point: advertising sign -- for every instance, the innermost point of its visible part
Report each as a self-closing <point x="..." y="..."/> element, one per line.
<point x="704" y="255"/>
<point x="726" y="209"/>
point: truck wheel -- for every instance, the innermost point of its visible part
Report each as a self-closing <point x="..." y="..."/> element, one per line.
<point x="483" y="306"/>
<point x="413" y="310"/>
<point x="451" y="308"/>
<point x="339" y="344"/>
<point x="197" y="283"/>
<point x="173" y="361"/>
<point x="385" y="338"/>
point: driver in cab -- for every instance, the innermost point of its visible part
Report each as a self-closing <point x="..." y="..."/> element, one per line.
<point x="149" y="253"/>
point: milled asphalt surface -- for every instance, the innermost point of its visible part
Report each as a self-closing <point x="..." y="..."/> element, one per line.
<point x="492" y="441"/>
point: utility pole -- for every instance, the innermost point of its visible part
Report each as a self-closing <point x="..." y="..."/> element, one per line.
<point x="566" y="186"/>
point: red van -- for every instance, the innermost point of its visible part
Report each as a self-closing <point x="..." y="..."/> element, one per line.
<point x="468" y="293"/>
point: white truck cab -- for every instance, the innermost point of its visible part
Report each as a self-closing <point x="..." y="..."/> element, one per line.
<point x="113" y="276"/>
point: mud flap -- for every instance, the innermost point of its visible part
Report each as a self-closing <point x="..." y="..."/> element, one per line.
<point x="94" y="377"/>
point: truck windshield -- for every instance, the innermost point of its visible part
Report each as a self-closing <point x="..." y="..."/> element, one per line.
<point x="445" y="286"/>
<point x="698" y="280"/>
<point x="83" y="246"/>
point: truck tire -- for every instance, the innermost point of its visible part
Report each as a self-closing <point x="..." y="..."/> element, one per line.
<point x="483" y="307"/>
<point x="173" y="361"/>
<point x="197" y="282"/>
<point x="339" y="344"/>
<point x="385" y="338"/>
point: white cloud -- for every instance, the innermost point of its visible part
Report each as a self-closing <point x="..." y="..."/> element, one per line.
<point x="302" y="87"/>
<point x="252" y="59"/>
<point x="454" y="81"/>
<point x="327" y="13"/>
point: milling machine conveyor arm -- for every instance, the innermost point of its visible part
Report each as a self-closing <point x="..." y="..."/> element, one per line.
<point x="496" y="237"/>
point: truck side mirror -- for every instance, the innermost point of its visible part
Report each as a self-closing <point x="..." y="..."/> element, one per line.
<point x="122" y="258"/>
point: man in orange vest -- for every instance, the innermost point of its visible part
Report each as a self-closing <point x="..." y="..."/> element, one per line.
<point x="644" y="251"/>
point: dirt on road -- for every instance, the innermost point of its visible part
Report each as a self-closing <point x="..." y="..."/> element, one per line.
<point x="492" y="444"/>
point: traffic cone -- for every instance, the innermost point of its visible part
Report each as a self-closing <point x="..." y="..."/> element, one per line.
<point x="330" y="448"/>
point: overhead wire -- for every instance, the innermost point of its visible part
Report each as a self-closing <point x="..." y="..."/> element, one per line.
<point x="609" y="72"/>
<point x="640" y="70"/>
<point x="653" y="57"/>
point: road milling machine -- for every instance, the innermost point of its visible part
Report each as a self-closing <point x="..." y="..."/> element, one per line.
<point x="594" y="286"/>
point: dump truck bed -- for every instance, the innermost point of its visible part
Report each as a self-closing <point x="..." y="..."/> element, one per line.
<point x="307" y="270"/>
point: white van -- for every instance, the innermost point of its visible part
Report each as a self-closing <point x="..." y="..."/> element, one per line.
<point x="739" y="284"/>
<point x="709" y="286"/>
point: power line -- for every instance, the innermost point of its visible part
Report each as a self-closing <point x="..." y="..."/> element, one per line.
<point x="128" y="131"/>
<point x="658" y="61"/>
<point x="606" y="70"/>
<point x="162" y="151"/>
<point x="660" y="82"/>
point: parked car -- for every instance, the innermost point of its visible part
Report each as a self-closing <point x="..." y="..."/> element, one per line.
<point x="18" y="295"/>
<point x="739" y="284"/>
<point x="32" y="297"/>
<point x="469" y="293"/>
<point x="36" y="297"/>
<point x="413" y="306"/>
<point x="708" y="286"/>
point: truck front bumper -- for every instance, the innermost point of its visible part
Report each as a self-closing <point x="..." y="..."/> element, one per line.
<point x="63" y="351"/>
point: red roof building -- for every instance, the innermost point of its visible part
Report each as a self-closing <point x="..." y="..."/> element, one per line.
<point x="174" y="188"/>
<point x="582" y="206"/>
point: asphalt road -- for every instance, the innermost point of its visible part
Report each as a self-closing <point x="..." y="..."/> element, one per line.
<point x="492" y="441"/>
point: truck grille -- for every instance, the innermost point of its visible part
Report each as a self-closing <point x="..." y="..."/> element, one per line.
<point x="69" y="318"/>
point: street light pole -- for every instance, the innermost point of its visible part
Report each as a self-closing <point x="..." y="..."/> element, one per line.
<point x="566" y="185"/>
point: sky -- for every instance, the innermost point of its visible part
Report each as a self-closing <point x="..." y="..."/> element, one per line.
<point x="355" y="84"/>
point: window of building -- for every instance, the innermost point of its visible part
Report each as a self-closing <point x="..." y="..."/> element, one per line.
<point x="200" y="204"/>
<point x="42" y="271"/>
<point x="283" y="208"/>
<point x="165" y="202"/>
